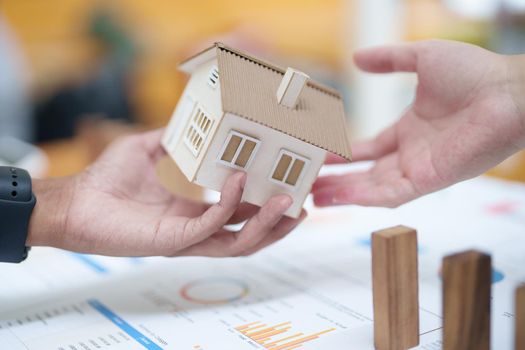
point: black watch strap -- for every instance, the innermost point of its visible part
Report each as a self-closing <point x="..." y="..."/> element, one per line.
<point x="16" y="205"/>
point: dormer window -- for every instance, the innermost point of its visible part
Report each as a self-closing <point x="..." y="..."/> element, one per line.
<point x="213" y="76"/>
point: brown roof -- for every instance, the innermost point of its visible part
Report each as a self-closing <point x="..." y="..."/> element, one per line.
<point x="249" y="87"/>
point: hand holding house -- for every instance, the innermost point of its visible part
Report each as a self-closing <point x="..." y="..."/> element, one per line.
<point x="238" y="113"/>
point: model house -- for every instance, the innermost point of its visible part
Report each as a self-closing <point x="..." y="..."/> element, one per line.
<point x="239" y="113"/>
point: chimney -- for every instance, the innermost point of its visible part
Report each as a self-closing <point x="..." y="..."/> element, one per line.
<point x="290" y="88"/>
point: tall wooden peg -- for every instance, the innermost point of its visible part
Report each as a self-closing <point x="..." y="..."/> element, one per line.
<point x="466" y="301"/>
<point x="520" y="318"/>
<point x="395" y="288"/>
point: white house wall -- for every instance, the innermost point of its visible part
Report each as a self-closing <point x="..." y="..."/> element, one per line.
<point x="259" y="188"/>
<point x="209" y="98"/>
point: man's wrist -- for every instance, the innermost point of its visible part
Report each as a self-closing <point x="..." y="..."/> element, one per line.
<point x="516" y="80"/>
<point x="49" y="220"/>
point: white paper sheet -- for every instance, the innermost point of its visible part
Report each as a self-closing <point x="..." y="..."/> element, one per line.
<point x="313" y="288"/>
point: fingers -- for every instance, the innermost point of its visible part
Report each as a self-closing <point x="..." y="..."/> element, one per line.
<point x="262" y="229"/>
<point x="334" y="159"/>
<point x="148" y="142"/>
<point x="387" y="59"/>
<point x="261" y="225"/>
<point x="284" y="227"/>
<point x="333" y="180"/>
<point x="366" y="192"/>
<point x="383" y="144"/>
<point x="151" y="139"/>
<point x="218" y="215"/>
<point x="384" y="185"/>
<point x="151" y="143"/>
<point x="243" y="213"/>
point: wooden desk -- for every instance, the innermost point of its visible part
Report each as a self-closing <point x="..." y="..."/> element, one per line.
<point x="66" y="157"/>
<point x="512" y="168"/>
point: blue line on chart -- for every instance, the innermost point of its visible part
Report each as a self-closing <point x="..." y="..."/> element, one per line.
<point x="91" y="262"/>
<point x="123" y="325"/>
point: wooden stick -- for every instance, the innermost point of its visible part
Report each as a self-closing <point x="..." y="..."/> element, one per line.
<point x="466" y="301"/>
<point x="395" y="288"/>
<point x="520" y="318"/>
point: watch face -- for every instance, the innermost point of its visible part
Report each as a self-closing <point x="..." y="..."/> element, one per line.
<point x="12" y="150"/>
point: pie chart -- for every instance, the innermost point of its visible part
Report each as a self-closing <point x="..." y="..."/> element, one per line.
<point x="214" y="290"/>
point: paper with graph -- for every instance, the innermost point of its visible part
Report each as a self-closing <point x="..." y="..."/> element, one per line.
<point x="310" y="291"/>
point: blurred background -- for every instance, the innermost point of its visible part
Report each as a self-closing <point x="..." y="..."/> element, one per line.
<point x="76" y="74"/>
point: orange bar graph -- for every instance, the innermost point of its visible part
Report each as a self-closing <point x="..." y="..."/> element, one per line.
<point x="283" y="339"/>
<point x="293" y="343"/>
<point x="252" y="328"/>
<point x="240" y="328"/>
<point x="267" y="330"/>
<point x="268" y="335"/>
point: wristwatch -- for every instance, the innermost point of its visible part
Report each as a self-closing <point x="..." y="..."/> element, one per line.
<point x="16" y="206"/>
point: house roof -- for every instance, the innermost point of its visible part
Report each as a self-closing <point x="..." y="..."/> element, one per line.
<point x="248" y="89"/>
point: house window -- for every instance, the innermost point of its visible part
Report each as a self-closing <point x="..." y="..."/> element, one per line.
<point x="199" y="127"/>
<point x="213" y="76"/>
<point x="238" y="150"/>
<point x="289" y="168"/>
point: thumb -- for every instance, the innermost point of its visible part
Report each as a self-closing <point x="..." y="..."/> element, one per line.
<point x="387" y="59"/>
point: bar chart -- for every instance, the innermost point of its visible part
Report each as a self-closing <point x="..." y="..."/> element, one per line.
<point x="279" y="336"/>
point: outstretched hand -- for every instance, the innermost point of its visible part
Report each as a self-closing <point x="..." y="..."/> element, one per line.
<point x="462" y="122"/>
<point x="117" y="207"/>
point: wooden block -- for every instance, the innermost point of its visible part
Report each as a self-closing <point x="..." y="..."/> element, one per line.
<point x="466" y="301"/>
<point x="520" y="318"/>
<point x="395" y="288"/>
